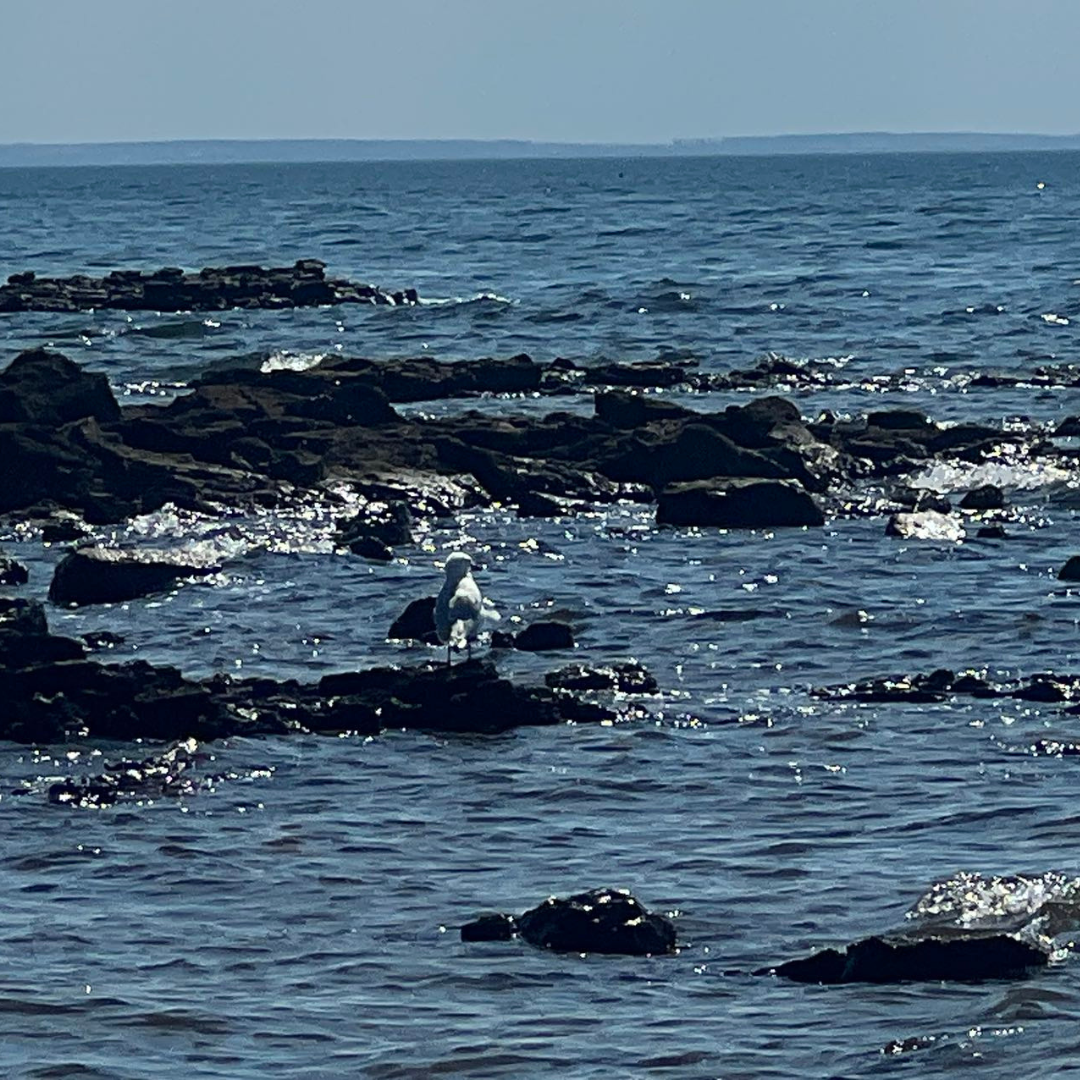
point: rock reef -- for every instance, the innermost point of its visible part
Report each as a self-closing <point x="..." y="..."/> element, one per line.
<point x="54" y="691"/>
<point x="304" y="284"/>
<point x="242" y="437"/>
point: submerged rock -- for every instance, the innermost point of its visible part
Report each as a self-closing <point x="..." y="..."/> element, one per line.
<point x="738" y="504"/>
<point x="111" y="575"/>
<point x="544" y="636"/>
<point x="609" y="921"/>
<point x="969" y="958"/>
<point x="625" y="677"/>
<point x="12" y="572"/>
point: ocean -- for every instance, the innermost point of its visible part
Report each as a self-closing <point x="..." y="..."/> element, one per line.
<point x="300" y="919"/>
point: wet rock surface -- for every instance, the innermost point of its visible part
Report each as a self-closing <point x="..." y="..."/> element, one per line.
<point x="970" y="958"/>
<point x="168" y="773"/>
<point x="599" y="921"/>
<point x="304" y="284"/>
<point x="942" y="684"/>
<point x="738" y="504"/>
<point x="95" y="575"/>
<point x="54" y="691"/>
<point x="243" y="437"/>
<point x="625" y="677"/>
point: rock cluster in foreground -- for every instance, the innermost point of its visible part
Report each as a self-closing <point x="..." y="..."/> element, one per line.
<point x="212" y="289"/>
<point x="54" y="691"/>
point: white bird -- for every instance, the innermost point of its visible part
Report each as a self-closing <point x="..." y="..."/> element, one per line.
<point x="460" y="609"/>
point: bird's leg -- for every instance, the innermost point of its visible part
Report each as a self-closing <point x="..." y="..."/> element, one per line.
<point x="468" y="649"/>
<point x="448" y="654"/>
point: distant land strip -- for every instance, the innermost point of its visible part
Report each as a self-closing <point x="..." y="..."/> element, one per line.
<point x="269" y="151"/>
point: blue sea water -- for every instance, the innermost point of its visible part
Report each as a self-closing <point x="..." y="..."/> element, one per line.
<point x="301" y="919"/>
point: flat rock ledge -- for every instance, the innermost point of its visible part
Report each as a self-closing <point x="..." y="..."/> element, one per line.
<point x="607" y="921"/>
<point x="53" y="691"/>
<point x="214" y="288"/>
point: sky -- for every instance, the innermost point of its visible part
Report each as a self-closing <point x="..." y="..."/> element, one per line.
<point x="623" y="71"/>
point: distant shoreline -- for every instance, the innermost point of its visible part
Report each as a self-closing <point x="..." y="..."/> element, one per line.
<point x="285" y="151"/>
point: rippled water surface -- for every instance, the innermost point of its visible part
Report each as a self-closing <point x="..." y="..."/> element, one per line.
<point x="301" y="919"/>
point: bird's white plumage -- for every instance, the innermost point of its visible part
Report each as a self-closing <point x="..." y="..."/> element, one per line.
<point x="460" y="609"/>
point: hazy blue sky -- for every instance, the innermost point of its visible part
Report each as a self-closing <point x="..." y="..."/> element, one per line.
<point x="577" y="70"/>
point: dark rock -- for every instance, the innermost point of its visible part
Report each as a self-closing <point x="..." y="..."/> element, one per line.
<point x="930" y="959"/>
<point x="1068" y="428"/>
<point x="608" y="921"/>
<point x="12" y="572"/>
<point x="102" y="639"/>
<point x="901" y="689"/>
<point x="494" y="927"/>
<point x="623" y="409"/>
<point x="370" y="547"/>
<point x="599" y="921"/>
<point x="1071" y="570"/>
<point x="468" y="697"/>
<point x="42" y="387"/>
<point x="900" y="420"/>
<point x="63" y="530"/>
<point x="112" y="575"/>
<point x="625" y="677"/>
<point x="211" y="289"/>
<point x="52" y="693"/>
<point x="738" y="504"/>
<point x="544" y="636"/>
<point x="373" y="532"/>
<point x="932" y="500"/>
<point x="991" y="532"/>
<point x="416" y="622"/>
<point x="986" y="497"/>
<point x="158" y="775"/>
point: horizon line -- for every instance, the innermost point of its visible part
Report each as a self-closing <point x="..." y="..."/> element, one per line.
<point x="530" y="141"/>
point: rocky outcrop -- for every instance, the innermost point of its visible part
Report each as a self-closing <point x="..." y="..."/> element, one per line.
<point x="96" y="575"/>
<point x="607" y="921"/>
<point x="966" y="958"/>
<point x="41" y="387"/>
<point x="53" y="691"/>
<point x="245" y="438"/>
<point x="304" y="284"/>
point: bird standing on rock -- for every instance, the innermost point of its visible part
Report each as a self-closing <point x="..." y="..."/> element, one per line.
<point x="460" y="609"/>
